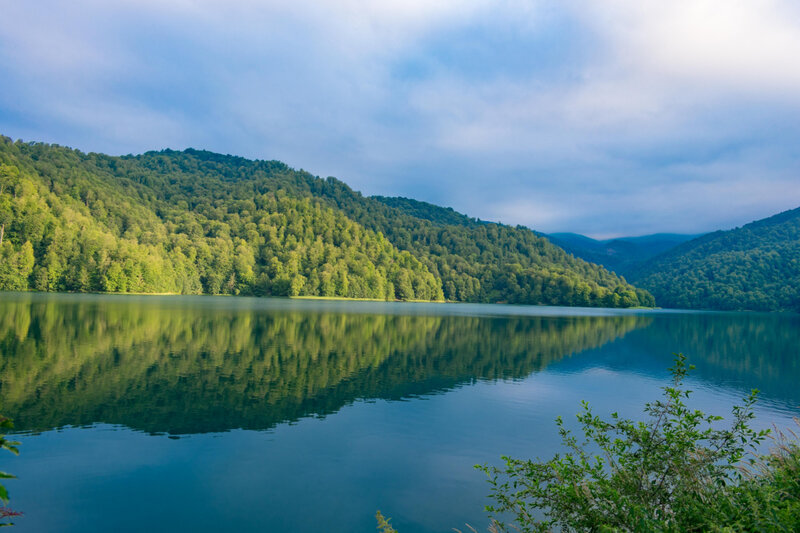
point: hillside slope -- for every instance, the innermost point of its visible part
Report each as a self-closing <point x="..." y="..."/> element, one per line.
<point x="199" y="222"/>
<point x="485" y="262"/>
<point x="755" y="267"/>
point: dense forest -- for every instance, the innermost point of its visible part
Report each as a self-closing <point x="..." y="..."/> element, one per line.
<point x="755" y="267"/>
<point x="197" y="222"/>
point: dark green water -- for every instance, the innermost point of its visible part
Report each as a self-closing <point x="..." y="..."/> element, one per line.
<point x="236" y="414"/>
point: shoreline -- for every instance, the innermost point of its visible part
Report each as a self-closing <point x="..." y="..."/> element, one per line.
<point x="346" y="299"/>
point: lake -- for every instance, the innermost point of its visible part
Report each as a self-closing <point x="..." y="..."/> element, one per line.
<point x="242" y="414"/>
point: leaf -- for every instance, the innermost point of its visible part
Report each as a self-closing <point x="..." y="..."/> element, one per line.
<point x="12" y="449"/>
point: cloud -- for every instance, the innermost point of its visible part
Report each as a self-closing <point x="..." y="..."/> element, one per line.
<point x="707" y="44"/>
<point x="597" y="116"/>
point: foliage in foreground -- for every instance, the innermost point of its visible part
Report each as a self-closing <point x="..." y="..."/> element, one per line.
<point x="384" y="525"/>
<point x="676" y="472"/>
<point x="11" y="446"/>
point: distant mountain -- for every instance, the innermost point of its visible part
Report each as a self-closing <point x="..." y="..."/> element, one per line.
<point x="755" y="267"/>
<point x="199" y="222"/>
<point x="621" y="254"/>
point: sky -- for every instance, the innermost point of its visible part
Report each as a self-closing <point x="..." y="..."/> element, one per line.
<point x="601" y="117"/>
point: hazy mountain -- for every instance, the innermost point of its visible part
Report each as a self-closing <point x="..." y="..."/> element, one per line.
<point x="620" y="254"/>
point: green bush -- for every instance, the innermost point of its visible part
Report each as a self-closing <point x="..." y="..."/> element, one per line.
<point x="768" y="499"/>
<point x="676" y="472"/>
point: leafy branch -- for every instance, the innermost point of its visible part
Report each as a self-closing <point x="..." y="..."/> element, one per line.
<point x="5" y="444"/>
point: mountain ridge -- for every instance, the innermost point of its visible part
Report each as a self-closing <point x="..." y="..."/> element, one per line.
<point x="196" y="221"/>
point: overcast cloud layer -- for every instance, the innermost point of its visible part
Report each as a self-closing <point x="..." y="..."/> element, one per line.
<point x="601" y="117"/>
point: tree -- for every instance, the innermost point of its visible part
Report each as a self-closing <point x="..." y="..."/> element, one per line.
<point x="403" y="287"/>
<point x="6" y="215"/>
<point x="9" y="179"/>
<point x="15" y="266"/>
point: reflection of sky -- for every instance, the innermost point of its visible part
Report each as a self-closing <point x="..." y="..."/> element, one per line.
<point x="732" y="352"/>
<point x="556" y="115"/>
<point x="411" y="459"/>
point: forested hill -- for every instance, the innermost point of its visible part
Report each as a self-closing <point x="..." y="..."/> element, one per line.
<point x="198" y="222"/>
<point x="755" y="267"/>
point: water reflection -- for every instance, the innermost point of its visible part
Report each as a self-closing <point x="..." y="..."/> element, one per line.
<point x="739" y="350"/>
<point x="192" y="369"/>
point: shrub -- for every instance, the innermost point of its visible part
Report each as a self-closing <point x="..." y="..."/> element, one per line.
<point x="676" y="472"/>
<point x="768" y="498"/>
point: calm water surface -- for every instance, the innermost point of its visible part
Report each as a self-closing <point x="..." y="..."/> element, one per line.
<point x="213" y="413"/>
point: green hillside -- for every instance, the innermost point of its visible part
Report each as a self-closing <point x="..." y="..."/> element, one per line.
<point x="197" y="222"/>
<point x="755" y="267"/>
